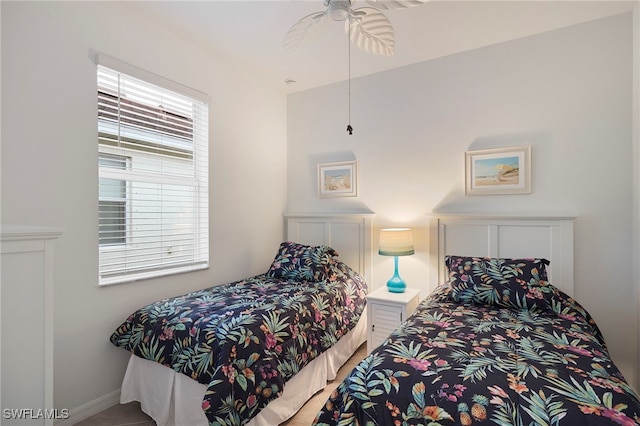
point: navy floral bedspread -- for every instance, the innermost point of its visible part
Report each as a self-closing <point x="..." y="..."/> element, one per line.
<point x="244" y="340"/>
<point x="495" y="345"/>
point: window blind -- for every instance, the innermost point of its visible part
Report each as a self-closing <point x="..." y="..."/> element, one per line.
<point x="153" y="176"/>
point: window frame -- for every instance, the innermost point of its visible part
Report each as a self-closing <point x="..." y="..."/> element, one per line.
<point x="170" y="142"/>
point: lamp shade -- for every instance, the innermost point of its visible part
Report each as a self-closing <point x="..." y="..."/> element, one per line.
<point x="396" y="242"/>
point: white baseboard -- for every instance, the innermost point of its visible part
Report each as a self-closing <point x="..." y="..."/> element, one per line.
<point x="90" y="408"/>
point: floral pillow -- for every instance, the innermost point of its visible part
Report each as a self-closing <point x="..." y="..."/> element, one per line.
<point x="513" y="283"/>
<point x="301" y="262"/>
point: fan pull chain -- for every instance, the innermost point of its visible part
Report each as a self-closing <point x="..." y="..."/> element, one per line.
<point x="349" y="128"/>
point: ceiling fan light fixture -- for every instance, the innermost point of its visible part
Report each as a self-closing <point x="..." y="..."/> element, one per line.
<point x="368" y="28"/>
<point x="339" y="9"/>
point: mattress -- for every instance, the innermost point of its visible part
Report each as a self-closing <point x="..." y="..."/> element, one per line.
<point x="173" y="399"/>
<point x="497" y="344"/>
<point x="246" y="339"/>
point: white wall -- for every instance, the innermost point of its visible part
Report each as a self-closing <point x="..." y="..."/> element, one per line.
<point x="567" y="93"/>
<point x="49" y="169"/>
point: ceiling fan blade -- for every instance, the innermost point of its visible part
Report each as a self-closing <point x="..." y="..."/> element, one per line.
<point x="371" y="31"/>
<point x="304" y="30"/>
<point x="395" y="4"/>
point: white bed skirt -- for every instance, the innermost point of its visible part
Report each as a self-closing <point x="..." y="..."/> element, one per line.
<point x="173" y="399"/>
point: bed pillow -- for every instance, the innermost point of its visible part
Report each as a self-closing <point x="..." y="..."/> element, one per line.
<point x="301" y="262"/>
<point x="506" y="282"/>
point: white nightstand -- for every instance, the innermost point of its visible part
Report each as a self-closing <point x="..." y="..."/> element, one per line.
<point x="385" y="312"/>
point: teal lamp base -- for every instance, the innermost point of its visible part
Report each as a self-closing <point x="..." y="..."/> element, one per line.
<point x="395" y="283"/>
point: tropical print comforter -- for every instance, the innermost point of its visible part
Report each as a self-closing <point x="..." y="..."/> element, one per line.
<point x="245" y="339"/>
<point x="473" y="356"/>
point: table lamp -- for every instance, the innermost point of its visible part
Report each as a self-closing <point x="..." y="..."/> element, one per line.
<point x="396" y="242"/>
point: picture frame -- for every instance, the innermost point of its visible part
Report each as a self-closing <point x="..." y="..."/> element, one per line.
<point x="338" y="179"/>
<point x="498" y="171"/>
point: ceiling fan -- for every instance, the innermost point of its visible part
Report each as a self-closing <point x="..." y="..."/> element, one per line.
<point x="368" y="28"/>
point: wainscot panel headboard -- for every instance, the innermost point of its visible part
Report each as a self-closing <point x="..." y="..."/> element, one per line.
<point x="349" y="234"/>
<point x="549" y="237"/>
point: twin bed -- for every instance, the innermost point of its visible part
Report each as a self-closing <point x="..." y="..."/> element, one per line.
<point x="221" y="355"/>
<point x="494" y="343"/>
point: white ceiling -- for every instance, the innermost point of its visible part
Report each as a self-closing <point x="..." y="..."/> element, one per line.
<point x="252" y="32"/>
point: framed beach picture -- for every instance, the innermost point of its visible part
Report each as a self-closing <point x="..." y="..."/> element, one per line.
<point x="338" y="179"/>
<point x="498" y="171"/>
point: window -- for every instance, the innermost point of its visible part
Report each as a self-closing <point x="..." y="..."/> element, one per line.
<point x="112" y="203"/>
<point x="153" y="211"/>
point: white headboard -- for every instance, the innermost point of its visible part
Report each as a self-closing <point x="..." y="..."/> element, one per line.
<point x="550" y="237"/>
<point x="349" y="234"/>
